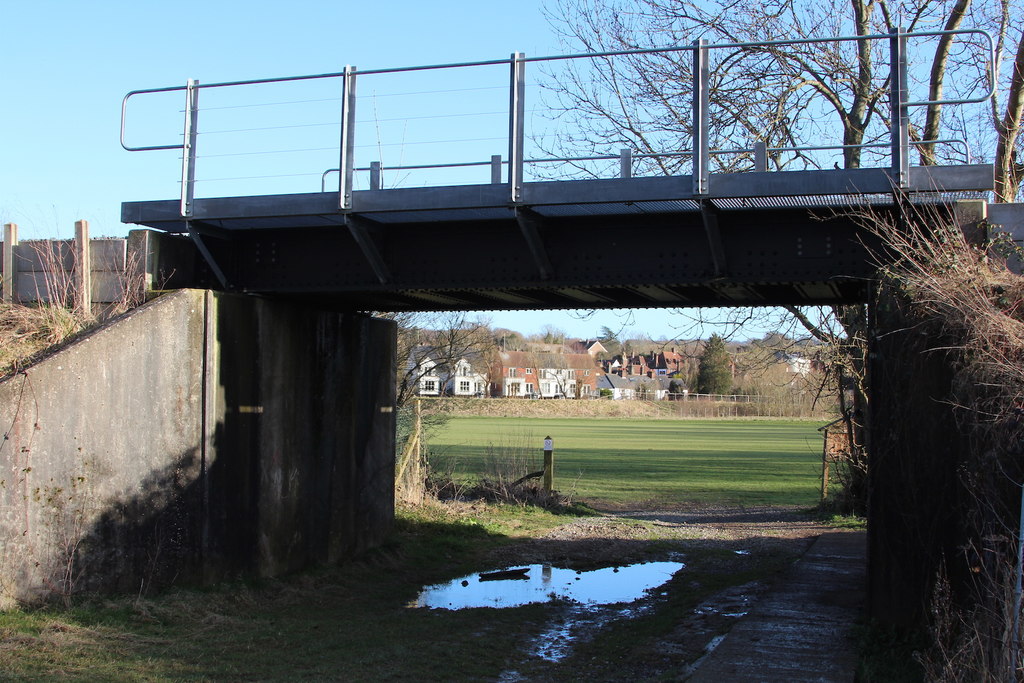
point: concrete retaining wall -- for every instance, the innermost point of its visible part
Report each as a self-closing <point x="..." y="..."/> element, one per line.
<point x="202" y="436"/>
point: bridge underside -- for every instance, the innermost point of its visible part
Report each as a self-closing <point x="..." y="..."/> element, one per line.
<point x="755" y="239"/>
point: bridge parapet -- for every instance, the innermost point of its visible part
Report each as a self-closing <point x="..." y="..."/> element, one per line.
<point x="469" y="122"/>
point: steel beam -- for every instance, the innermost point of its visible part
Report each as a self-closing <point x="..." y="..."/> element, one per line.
<point x="197" y="239"/>
<point x="362" y="231"/>
<point x="530" y="225"/>
<point x="710" y="216"/>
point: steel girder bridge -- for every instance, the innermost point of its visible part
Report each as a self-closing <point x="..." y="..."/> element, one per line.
<point x="701" y="238"/>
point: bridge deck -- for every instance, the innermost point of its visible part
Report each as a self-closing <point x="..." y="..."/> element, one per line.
<point x="755" y="238"/>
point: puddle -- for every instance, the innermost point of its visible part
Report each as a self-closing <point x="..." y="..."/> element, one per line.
<point x="518" y="586"/>
<point x="732" y="603"/>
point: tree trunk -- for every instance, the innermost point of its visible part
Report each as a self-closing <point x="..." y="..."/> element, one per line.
<point x="1008" y="170"/>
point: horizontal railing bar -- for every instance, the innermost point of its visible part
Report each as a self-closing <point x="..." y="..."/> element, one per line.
<point x="553" y="58"/>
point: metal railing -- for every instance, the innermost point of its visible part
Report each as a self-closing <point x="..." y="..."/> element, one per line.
<point x="515" y="161"/>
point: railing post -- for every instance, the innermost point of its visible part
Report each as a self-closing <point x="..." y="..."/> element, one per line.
<point x="516" y="126"/>
<point x="701" y="100"/>
<point x="83" y="270"/>
<point x="625" y="163"/>
<point x="496" y="169"/>
<point x="188" y="150"/>
<point x="10" y="241"/>
<point x="899" y="112"/>
<point x="347" y="149"/>
<point x="761" y="156"/>
<point x="374" y="175"/>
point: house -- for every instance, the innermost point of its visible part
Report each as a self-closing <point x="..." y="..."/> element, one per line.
<point x="631" y="365"/>
<point x="422" y="368"/>
<point x="621" y="388"/>
<point x="796" y="364"/>
<point x="545" y="375"/>
<point x="435" y="377"/>
<point x="588" y="346"/>
<point x="650" y="388"/>
<point x="465" y="380"/>
<point x="666" y="363"/>
<point x="641" y="388"/>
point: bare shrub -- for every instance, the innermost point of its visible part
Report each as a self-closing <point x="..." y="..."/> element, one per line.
<point x="512" y="473"/>
<point x="962" y="302"/>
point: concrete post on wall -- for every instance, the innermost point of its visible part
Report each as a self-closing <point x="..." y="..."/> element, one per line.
<point x="82" y="269"/>
<point x="972" y="215"/>
<point x="10" y="241"/>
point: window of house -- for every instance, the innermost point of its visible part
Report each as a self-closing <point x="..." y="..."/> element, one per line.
<point x="528" y="371"/>
<point x="586" y="373"/>
<point x="545" y="388"/>
<point x="572" y="374"/>
<point x="512" y="372"/>
<point x="585" y="390"/>
<point x="529" y="387"/>
<point x="430" y="385"/>
<point x="464" y="386"/>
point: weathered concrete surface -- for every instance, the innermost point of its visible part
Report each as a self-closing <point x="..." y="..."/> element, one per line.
<point x="202" y="436"/>
<point x="801" y="631"/>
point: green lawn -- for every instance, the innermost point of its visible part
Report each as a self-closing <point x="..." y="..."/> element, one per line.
<point x="625" y="460"/>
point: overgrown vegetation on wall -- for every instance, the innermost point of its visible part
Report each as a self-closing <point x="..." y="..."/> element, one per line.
<point x="956" y="315"/>
<point x="26" y="331"/>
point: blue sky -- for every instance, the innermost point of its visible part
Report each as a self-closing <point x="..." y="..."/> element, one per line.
<point x="67" y="65"/>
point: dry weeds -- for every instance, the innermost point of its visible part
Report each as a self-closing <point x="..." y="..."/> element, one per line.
<point x="27" y="331"/>
<point x="607" y="408"/>
<point x="961" y="297"/>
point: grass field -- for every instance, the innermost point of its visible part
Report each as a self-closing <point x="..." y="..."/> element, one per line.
<point x="749" y="462"/>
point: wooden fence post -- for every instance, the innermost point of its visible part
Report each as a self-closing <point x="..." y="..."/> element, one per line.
<point x="824" y="469"/>
<point x="409" y="475"/>
<point x="10" y="241"/>
<point x="549" y="463"/>
<point x="83" y="270"/>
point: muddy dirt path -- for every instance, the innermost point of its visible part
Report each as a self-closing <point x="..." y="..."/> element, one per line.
<point x="722" y="548"/>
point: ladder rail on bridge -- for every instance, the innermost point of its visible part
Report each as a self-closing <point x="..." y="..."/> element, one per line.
<point x="708" y="207"/>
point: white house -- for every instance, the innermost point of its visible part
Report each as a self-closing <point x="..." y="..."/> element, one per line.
<point x="436" y="378"/>
<point x="465" y="380"/>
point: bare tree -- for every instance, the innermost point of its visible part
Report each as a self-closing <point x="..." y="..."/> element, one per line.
<point x="426" y="341"/>
<point x="792" y="95"/>
<point x="1009" y="170"/>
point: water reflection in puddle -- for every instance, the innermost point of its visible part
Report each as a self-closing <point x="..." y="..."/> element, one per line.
<point x="541" y="583"/>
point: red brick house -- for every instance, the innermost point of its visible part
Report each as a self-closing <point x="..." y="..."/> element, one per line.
<point x="527" y="374"/>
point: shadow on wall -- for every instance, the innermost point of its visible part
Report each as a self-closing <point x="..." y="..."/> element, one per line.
<point x="203" y="436"/>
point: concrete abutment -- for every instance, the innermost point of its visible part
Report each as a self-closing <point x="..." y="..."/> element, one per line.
<point x="202" y="436"/>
